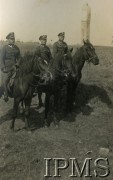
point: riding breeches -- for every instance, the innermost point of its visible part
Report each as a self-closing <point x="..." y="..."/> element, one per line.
<point x="5" y="77"/>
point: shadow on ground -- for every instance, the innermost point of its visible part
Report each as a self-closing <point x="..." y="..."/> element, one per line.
<point x="87" y="92"/>
<point x="84" y="94"/>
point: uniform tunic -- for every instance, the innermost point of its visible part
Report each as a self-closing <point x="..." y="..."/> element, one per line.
<point x="44" y="53"/>
<point x="59" y="47"/>
<point x="9" y="56"/>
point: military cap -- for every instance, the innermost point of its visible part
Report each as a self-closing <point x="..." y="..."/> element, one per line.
<point x="10" y="36"/>
<point x="61" y="34"/>
<point x="43" y="37"/>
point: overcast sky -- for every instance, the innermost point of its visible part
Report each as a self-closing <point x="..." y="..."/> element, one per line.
<point x="31" y="18"/>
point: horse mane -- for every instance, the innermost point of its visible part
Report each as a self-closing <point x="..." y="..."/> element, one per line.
<point x="78" y="54"/>
<point x="56" y="63"/>
<point x="26" y="62"/>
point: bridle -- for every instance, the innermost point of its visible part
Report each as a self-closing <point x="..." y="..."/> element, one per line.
<point x="65" y="70"/>
<point x="37" y="82"/>
<point x="89" y="58"/>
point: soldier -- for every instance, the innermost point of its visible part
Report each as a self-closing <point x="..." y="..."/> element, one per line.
<point x="43" y="50"/>
<point x="10" y="56"/>
<point x="60" y="45"/>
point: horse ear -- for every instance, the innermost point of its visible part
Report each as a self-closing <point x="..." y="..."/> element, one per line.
<point x="84" y="41"/>
<point x="87" y="41"/>
<point x="71" y="50"/>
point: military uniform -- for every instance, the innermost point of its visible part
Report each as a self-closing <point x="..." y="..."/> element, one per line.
<point x="10" y="56"/>
<point x="43" y="51"/>
<point x="60" y="46"/>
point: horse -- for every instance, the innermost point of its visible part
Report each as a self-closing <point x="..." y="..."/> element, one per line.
<point x="60" y="69"/>
<point x="29" y="74"/>
<point x="57" y="63"/>
<point x="85" y="53"/>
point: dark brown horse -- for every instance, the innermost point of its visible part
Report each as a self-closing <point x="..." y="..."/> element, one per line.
<point x="86" y="53"/>
<point x="30" y="73"/>
<point x="60" y="68"/>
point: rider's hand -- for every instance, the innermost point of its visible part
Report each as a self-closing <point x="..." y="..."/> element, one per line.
<point x="3" y="69"/>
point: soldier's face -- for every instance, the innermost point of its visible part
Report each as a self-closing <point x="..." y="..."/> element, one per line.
<point x="61" y="38"/>
<point x="43" y="41"/>
<point x="11" y="41"/>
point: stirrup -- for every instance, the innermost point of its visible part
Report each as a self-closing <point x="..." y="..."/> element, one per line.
<point x="5" y="98"/>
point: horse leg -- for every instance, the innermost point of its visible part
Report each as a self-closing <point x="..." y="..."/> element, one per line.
<point x="40" y="98"/>
<point x="71" y="92"/>
<point x="47" y="103"/>
<point x="15" y="110"/>
<point x="22" y="107"/>
<point x="27" y="102"/>
<point x="72" y="97"/>
<point x="74" y="91"/>
<point x="56" y="99"/>
<point x="69" y="97"/>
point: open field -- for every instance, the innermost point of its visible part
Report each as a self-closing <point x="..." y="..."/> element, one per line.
<point x="89" y="128"/>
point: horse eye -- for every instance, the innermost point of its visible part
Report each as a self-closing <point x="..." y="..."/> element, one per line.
<point x="91" y="48"/>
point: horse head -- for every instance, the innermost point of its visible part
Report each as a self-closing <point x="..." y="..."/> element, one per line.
<point x="89" y="53"/>
<point x="66" y="63"/>
<point x="41" y="70"/>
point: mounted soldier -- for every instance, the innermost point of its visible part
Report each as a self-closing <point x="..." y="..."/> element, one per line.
<point x="43" y="51"/>
<point x="10" y="56"/>
<point x="60" y="46"/>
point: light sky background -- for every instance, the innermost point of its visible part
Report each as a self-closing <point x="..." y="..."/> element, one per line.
<point x="31" y="18"/>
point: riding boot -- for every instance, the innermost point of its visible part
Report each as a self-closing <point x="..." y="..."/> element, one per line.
<point x="1" y="92"/>
<point x="35" y="92"/>
<point x="5" y="97"/>
<point x="5" y="93"/>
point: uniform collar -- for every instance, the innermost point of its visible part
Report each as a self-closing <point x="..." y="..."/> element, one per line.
<point x="60" y="42"/>
<point x="11" y="45"/>
<point x="43" y="45"/>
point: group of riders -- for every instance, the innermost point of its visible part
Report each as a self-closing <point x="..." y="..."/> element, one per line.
<point x="45" y="72"/>
<point x="10" y="56"/>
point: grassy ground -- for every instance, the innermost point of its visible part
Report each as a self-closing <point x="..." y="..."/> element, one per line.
<point x="89" y="128"/>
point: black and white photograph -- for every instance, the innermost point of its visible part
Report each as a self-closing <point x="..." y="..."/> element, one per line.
<point x="56" y="89"/>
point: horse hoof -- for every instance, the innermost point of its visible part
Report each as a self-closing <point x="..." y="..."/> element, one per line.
<point x="45" y="126"/>
<point x="28" y="129"/>
<point x="56" y="126"/>
<point x="12" y="128"/>
<point x="5" y="98"/>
